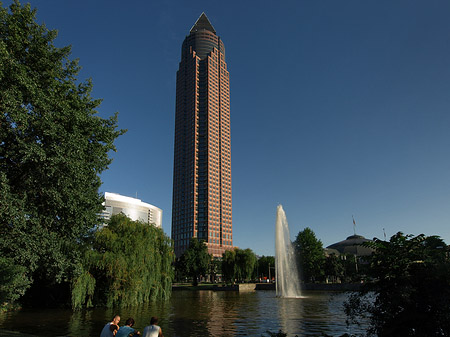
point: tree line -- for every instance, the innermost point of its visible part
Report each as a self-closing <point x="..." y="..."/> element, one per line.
<point x="236" y="265"/>
<point x="242" y="265"/>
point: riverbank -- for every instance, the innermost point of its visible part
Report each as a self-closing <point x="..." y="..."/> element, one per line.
<point x="244" y="287"/>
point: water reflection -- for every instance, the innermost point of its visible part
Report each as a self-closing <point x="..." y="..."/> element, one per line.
<point x="200" y="313"/>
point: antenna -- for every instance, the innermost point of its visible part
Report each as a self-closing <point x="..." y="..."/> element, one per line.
<point x="354" y="225"/>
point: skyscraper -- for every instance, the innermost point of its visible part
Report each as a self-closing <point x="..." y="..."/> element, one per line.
<point x="201" y="205"/>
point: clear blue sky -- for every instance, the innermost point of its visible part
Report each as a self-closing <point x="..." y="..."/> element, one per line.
<point x="338" y="107"/>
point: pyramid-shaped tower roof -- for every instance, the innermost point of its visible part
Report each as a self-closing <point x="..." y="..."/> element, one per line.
<point x="202" y="23"/>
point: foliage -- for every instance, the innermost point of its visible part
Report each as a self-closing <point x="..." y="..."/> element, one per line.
<point x="245" y="263"/>
<point x="410" y="294"/>
<point x="333" y="268"/>
<point x="130" y="263"/>
<point x="12" y="281"/>
<point x="229" y="265"/>
<point x="310" y="255"/>
<point x="264" y="263"/>
<point x="53" y="147"/>
<point x="195" y="260"/>
<point x="215" y="267"/>
<point x="238" y="264"/>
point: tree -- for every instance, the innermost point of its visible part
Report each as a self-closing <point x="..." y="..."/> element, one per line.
<point x="352" y="267"/>
<point x="130" y="263"/>
<point x="229" y="265"/>
<point x="53" y="147"/>
<point x="238" y="264"/>
<point x="195" y="260"/>
<point x="264" y="264"/>
<point x="310" y="255"/>
<point x="215" y="267"/>
<point x="333" y="268"/>
<point x="245" y="264"/>
<point x="410" y="292"/>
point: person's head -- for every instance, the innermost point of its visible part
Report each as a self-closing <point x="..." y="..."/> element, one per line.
<point x="116" y="319"/>
<point x="129" y="322"/>
<point x="153" y="320"/>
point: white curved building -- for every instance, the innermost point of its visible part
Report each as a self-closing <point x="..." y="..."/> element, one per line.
<point x="133" y="208"/>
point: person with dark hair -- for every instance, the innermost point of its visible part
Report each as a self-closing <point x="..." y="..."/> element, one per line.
<point x="127" y="330"/>
<point x="110" y="329"/>
<point x="153" y="330"/>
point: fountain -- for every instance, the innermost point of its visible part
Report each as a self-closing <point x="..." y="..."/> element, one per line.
<point x="288" y="282"/>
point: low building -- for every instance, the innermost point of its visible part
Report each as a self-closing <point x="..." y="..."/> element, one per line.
<point x="133" y="208"/>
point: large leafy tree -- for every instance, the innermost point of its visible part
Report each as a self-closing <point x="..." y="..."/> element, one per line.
<point x="53" y="146"/>
<point x="245" y="263"/>
<point x="238" y="264"/>
<point x="195" y="260"/>
<point x="229" y="265"/>
<point x="266" y="263"/>
<point x="310" y="255"/>
<point x="410" y="292"/>
<point x="130" y="263"/>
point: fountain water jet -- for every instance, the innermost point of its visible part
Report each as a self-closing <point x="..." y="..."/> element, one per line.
<point x="287" y="281"/>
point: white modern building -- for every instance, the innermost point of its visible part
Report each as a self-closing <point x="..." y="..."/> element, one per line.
<point x="133" y="208"/>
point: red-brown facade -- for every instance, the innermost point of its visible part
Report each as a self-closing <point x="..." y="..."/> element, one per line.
<point x="202" y="158"/>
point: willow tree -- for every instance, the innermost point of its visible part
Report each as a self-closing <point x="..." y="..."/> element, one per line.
<point x="229" y="265"/>
<point x="130" y="263"/>
<point x="53" y="147"/>
<point x="238" y="264"/>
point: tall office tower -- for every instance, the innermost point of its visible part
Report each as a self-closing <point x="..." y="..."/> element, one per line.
<point x="201" y="205"/>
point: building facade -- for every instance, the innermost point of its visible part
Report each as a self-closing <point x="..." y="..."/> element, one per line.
<point x="202" y="155"/>
<point x="133" y="208"/>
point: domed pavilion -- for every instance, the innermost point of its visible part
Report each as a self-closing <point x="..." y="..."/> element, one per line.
<point x="352" y="245"/>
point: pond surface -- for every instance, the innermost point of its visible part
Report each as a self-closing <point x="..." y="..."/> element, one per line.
<point x="201" y="313"/>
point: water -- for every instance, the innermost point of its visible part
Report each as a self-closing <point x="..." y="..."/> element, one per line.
<point x="201" y="313"/>
<point x="288" y="281"/>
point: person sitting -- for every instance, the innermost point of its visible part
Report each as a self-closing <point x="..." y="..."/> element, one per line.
<point x="110" y="329"/>
<point x="153" y="330"/>
<point x="127" y="330"/>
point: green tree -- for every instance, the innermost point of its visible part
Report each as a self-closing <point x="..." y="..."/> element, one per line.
<point x="195" y="260"/>
<point x="53" y="146"/>
<point x="238" y="264"/>
<point x="264" y="263"/>
<point x="310" y="255"/>
<point x="130" y="263"/>
<point x="352" y="268"/>
<point x="410" y="292"/>
<point x="215" y="267"/>
<point x="229" y="265"/>
<point x="333" y="268"/>
<point x="245" y="264"/>
<point x="13" y="282"/>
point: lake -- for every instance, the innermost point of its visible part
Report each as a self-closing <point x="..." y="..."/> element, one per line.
<point x="201" y="313"/>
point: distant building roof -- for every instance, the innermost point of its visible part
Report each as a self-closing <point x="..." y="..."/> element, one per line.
<point x="352" y="245"/>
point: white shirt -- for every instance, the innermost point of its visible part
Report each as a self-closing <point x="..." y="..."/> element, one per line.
<point x="151" y="331"/>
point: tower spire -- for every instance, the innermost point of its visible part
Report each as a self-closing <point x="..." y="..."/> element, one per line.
<point x="202" y="23"/>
